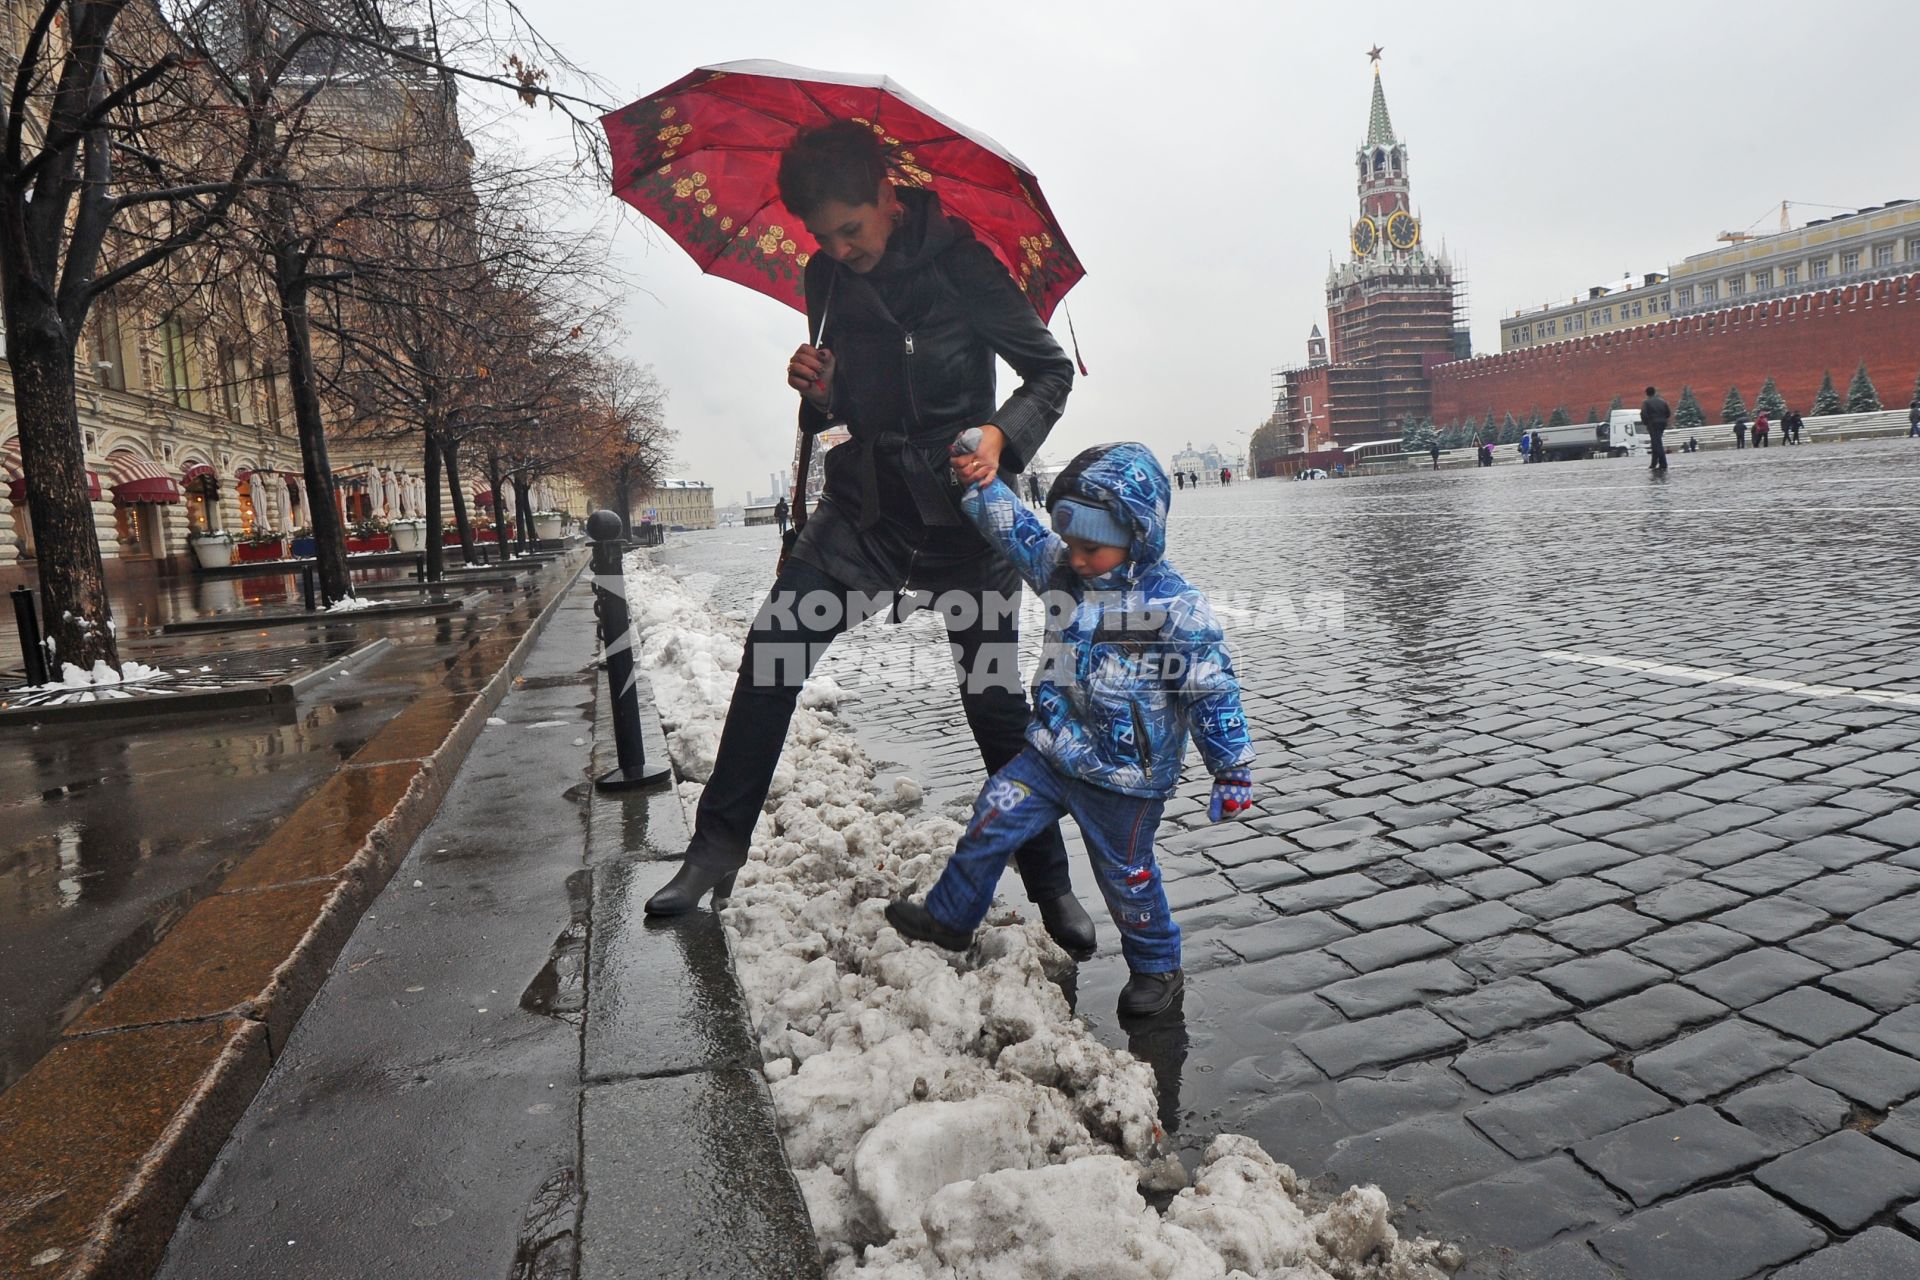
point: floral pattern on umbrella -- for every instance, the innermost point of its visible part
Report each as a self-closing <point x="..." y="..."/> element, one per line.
<point x="700" y="158"/>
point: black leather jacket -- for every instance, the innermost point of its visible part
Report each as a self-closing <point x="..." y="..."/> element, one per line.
<point x="914" y="342"/>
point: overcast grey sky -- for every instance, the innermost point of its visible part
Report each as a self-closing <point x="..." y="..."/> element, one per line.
<point x="1200" y="157"/>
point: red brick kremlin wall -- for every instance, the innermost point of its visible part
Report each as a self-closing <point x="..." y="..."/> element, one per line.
<point x="1792" y="340"/>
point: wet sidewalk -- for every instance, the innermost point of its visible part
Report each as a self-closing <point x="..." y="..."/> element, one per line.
<point x="508" y="1072"/>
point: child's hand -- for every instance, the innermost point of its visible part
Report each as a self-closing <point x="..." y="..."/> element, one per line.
<point x="976" y="455"/>
<point x="1232" y="794"/>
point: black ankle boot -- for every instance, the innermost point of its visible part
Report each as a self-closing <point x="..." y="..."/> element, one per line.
<point x="690" y="884"/>
<point x="1149" y="993"/>
<point x="911" y="920"/>
<point x="1068" y="924"/>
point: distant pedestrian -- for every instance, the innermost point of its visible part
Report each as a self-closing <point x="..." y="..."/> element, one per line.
<point x="1034" y="494"/>
<point x="1740" y="431"/>
<point x="1539" y="447"/>
<point x="1761" y="430"/>
<point x="1433" y="451"/>
<point x="1226" y="476"/>
<point x="1655" y="413"/>
<point x="1792" y="424"/>
<point x="1913" y="418"/>
<point x="1526" y="447"/>
<point x="1180" y="479"/>
<point x="781" y="513"/>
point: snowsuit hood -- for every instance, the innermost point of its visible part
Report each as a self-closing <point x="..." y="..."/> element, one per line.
<point x="1127" y="480"/>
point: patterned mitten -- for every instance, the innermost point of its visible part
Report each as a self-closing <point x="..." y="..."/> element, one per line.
<point x="1232" y="793"/>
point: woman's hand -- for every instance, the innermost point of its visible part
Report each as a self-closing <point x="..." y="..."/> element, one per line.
<point x="983" y="464"/>
<point x="810" y="372"/>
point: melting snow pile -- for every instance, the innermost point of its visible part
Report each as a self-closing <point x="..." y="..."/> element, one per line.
<point x="947" y="1116"/>
<point x="348" y="604"/>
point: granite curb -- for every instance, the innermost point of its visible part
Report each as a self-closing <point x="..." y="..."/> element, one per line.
<point x="103" y="1141"/>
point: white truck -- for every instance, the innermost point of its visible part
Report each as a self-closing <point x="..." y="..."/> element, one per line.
<point x="1620" y="436"/>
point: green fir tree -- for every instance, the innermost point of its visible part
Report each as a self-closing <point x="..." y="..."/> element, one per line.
<point x="1733" y="408"/>
<point x="1826" y="400"/>
<point x="1861" y="397"/>
<point x="1409" y="435"/>
<point x="1617" y="404"/>
<point x="1559" y="417"/>
<point x="1509" y="431"/>
<point x="1688" y="415"/>
<point x="1533" y="421"/>
<point x="1593" y="414"/>
<point x="1770" y="401"/>
<point x="1490" y="429"/>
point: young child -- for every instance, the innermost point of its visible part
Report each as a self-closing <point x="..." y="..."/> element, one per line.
<point x="1133" y="662"/>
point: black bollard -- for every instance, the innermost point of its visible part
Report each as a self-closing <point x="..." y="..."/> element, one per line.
<point x="32" y="652"/>
<point x="616" y="642"/>
<point x="306" y="585"/>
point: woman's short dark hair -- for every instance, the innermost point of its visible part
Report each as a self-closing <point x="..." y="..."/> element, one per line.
<point x="839" y="161"/>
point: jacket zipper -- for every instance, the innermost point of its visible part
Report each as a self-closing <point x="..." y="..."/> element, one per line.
<point x="906" y="370"/>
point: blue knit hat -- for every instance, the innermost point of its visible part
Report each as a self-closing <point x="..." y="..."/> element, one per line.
<point x="1077" y="518"/>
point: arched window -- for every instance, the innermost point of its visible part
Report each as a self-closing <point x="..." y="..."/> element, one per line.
<point x="1379" y="160"/>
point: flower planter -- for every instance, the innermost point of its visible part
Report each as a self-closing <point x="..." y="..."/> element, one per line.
<point x="409" y="535"/>
<point x="246" y="552"/>
<point x="547" y="528"/>
<point x="372" y="542"/>
<point x="302" y="547"/>
<point x="212" y="550"/>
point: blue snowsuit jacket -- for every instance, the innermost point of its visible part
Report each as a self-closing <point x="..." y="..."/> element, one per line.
<point x="1133" y="660"/>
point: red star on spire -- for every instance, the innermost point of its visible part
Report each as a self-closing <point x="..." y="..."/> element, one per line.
<point x="1374" y="53"/>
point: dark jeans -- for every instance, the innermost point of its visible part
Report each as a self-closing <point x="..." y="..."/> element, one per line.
<point x="1656" y="440"/>
<point x="782" y="649"/>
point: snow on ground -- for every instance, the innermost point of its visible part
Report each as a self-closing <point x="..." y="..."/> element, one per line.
<point x="102" y="677"/>
<point x="948" y="1118"/>
<point x="350" y="604"/>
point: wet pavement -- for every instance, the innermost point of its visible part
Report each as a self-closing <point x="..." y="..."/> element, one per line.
<point x="509" y="1072"/>
<point x="114" y="830"/>
<point x="1580" y="904"/>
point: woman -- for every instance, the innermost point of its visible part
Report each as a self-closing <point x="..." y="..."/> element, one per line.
<point x="909" y="310"/>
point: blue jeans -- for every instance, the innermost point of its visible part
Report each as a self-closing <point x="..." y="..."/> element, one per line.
<point x="1028" y="796"/>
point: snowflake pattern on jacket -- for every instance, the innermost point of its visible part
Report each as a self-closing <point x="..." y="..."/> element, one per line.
<point x="1133" y="660"/>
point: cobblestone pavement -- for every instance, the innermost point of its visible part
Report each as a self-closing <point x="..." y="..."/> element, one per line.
<point x="1580" y="905"/>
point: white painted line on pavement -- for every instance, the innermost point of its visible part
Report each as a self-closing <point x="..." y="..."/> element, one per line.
<point x="1710" y="675"/>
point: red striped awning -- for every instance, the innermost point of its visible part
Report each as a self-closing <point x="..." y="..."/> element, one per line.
<point x="140" y="480"/>
<point x="198" y="471"/>
<point x="483" y="497"/>
<point x="15" y="474"/>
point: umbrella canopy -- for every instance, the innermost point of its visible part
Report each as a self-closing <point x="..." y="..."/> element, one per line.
<point x="701" y="156"/>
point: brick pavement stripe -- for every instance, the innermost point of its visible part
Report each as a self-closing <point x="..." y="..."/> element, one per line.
<point x="1644" y="875"/>
<point x="1813" y="1015"/>
<point x="1450" y="861"/>
<point x="1498" y="883"/>
<point x="1555" y="1114"/>
<point x="1651" y="1016"/>
<point x="1402" y="905"/>
<point x="1482" y="920"/>
<point x="1840" y="947"/>
<point x="1416" y="1158"/>
<point x="1730" y="1233"/>
<point x="1790" y="1109"/>
<point x="1899" y="1031"/>
<point x="1259" y="877"/>
<point x="1901" y="830"/>
<point x="1753" y="976"/>
<point x="1385" y="947"/>
<point x="1526" y="1207"/>
<point x="1600" y="929"/>
<point x="1500" y="1006"/>
<point x="1523" y="1057"/>
<point x="1771" y="919"/>
<point x="1733" y="846"/>
<point x="1686" y="947"/>
<point x="1869" y="1074"/>
<point x="1901" y="1129"/>
<point x="1316" y="895"/>
<point x="1765" y="874"/>
<point x="1838" y="852"/>
<point x="1397" y="987"/>
<point x="1724" y="1056"/>
<point x="1573" y="860"/>
<point x="1877" y="1254"/>
<point x="1593" y="980"/>
<point x="1688" y="900"/>
<point x="1379" y="1042"/>
<point x="1886" y="985"/>
<point x="1846" y="1179"/>
<point x="1567" y="897"/>
<point x="1509" y="955"/>
<point x="1898" y="920"/>
<point x="1857" y="888"/>
<point x="1655" y="1158"/>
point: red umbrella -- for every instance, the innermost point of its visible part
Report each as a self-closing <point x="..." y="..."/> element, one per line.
<point x="700" y="158"/>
